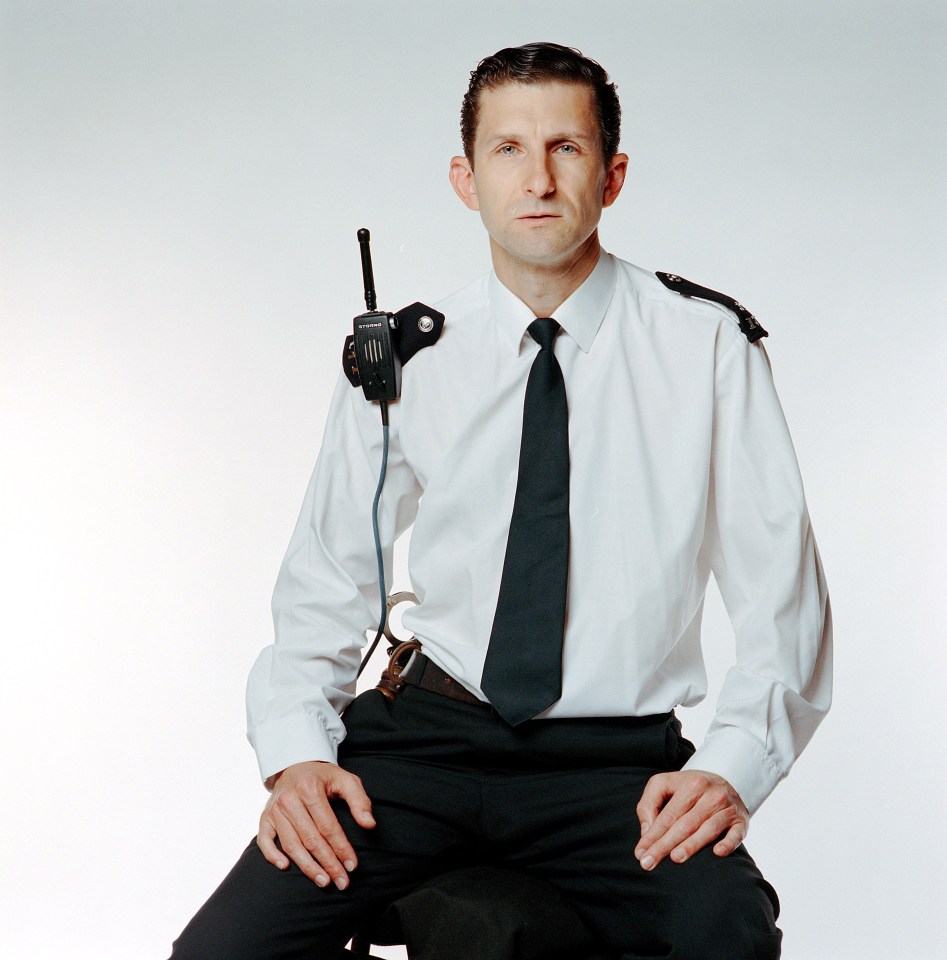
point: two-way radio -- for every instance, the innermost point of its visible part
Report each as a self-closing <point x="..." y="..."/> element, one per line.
<point x="382" y="343"/>
<point x="377" y="358"/>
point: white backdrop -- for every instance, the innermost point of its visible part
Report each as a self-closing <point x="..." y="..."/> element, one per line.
<point x="181" y="182"/>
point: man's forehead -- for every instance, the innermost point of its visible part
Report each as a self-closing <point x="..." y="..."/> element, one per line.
<point x="551" y="104"/>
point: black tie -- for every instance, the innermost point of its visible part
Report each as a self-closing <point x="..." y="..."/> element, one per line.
<point x="522" y="674"/>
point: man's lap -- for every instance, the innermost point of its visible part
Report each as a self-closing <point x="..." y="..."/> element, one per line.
<point x="452" y="785"/>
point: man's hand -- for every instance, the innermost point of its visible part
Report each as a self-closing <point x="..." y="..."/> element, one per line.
<point x="683" y="812"/>
<point x="298" y="812"/>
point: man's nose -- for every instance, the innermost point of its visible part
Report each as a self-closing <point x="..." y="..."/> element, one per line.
<point x="540" y="181"/>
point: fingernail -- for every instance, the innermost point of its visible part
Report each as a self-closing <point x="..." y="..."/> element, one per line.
<point x="648" y="862"/>
<point x="349" y="865"/>
<point x="679" y="856"/>
<point x="645" y="827"/>
<point x="322" y="880"/>
<point x="283" y="864"/>
<point x="639" y="853"/>
<point x="341" y="882"/>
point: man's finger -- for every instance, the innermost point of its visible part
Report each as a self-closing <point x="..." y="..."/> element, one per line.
<point x="350" y="789"/>
<point x="734" y="837"/>
<point x="681" y="801"/>
<point x="316" y="828"/>
<point x="653" y="849"/>
<point x="656" y="792"/>
<point x="265" y="841"/>
<point x="708" y="831"/>
<point x="296" y="850"/>
<point x="328" y="841"/>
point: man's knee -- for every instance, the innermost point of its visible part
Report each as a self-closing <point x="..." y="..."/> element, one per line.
<point x="729" y="912"/>
<point x="726" y="936"/>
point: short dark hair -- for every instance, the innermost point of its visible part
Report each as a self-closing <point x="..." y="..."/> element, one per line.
<point x="543" y="63"/>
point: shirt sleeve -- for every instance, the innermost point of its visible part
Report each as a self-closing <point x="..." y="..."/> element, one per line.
<point x="327" y="592"/>
<point x="766" y="564"/>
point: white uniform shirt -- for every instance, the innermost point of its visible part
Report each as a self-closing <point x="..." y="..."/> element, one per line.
<point x="681" y="463"/>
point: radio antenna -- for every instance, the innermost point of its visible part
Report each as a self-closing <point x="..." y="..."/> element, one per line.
<point x="368" y="277"/>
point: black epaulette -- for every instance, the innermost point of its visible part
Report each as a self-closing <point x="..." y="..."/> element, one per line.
<point x="748" y="323"/>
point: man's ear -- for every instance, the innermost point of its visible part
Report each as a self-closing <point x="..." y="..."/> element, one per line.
<point x="614" y="178"/>
<point x="464" y="183"/>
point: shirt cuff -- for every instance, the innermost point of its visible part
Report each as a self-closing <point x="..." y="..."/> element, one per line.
<point x="280" y="744"/>
<point x="740" y="760"/>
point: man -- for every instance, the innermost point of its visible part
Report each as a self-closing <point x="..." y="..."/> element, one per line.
<point x="551" y="749"/>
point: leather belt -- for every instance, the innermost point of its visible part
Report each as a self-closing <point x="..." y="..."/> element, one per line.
<point x="427" y="675"/>
<point x="407" y="665"/>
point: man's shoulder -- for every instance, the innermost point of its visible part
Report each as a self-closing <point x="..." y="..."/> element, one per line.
<point x="463" y="311"/>
<point x="689" y="301"/>
<point x="646" y="287"/>
<point x="470" y="299"/>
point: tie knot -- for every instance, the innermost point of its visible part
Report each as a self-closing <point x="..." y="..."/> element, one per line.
<point x="544" y="331"/>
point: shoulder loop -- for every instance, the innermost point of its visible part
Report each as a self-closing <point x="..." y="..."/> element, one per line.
<point x="749" y="325"/>
<point x="419" y="326"/>
<point x="416" y="326"/>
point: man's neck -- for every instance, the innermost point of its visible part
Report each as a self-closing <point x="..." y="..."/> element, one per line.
<point x="544" y="288"/>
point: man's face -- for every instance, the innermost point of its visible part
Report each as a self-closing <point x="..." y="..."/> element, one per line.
<point x="538" y="178"/>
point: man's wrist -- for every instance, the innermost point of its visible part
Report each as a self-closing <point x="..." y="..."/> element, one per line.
<point x="270" y="781"/>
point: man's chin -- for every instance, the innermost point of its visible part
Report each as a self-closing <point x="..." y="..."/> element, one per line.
<point x="545" y="253"/>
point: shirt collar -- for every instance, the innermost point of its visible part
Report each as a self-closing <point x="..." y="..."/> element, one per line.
<point x="580" y="316"/>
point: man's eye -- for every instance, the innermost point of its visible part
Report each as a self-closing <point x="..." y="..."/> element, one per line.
<point x="567" y="148"/>
<point x="507" y="150"/>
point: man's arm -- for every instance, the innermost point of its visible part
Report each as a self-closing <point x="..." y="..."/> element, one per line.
<point x="326" y="597"/>
<point x="760" y="546"/>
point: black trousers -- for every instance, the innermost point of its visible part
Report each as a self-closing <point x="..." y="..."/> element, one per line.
<point x="452" y="784"/>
